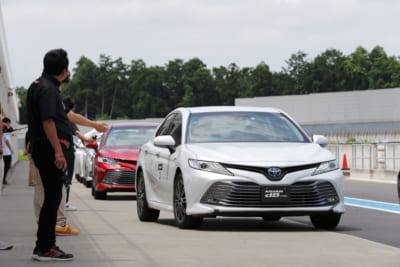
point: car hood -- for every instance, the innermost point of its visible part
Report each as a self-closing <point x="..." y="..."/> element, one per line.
<point x="118" y="152"/>
<point x="272" y="154"/>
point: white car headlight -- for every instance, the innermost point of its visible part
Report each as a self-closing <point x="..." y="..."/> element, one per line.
<point x="109" y="161"/>
<point x="327" y="167"/>
<point x="209" y="166"/>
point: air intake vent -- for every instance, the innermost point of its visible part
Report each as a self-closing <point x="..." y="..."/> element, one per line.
<point x="246" y="194"/>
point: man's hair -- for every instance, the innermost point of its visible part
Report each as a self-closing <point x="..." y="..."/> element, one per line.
<point x="69" y="103"/>
<point x="6" y="120"/>
<point x="55" y="61"/>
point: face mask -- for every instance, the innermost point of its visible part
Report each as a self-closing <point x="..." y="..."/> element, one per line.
<point x="67" y="79"/>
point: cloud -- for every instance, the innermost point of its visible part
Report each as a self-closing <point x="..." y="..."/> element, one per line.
<point x="218" y="32"/>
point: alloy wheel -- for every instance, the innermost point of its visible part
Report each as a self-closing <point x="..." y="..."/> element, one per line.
<point x="180" y="200"/>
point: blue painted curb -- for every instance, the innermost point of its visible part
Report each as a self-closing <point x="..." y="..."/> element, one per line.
<point x="369" y="204"/>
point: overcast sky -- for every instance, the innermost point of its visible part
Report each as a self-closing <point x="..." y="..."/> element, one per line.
<point x="219" y="32"/>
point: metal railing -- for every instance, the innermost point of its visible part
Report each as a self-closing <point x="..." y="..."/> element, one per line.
<point x="362" y="155"/>
<point x="384" y="156"/>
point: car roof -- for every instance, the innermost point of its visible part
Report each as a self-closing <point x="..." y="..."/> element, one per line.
<point x="230" y="109"/>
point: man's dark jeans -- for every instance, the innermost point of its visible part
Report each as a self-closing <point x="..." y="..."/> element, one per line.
<point x="43" y="156"/>
<point x="70" y="171"/>
<point x="7" y="165"/>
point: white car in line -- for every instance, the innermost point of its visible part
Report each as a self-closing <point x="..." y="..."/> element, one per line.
<point x="237" y="161"/>
<point x="84" y="158"/>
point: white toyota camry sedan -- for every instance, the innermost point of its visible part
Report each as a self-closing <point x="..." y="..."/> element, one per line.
<point x="237" y="161"/>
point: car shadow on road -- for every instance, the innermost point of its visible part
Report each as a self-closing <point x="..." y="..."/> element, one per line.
<point x="245" y="225"/>
<point x="228" y="224"/>
<point x="111" y="197"/>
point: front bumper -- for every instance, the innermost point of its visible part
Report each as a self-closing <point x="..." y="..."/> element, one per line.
<point x="241" y="194"/>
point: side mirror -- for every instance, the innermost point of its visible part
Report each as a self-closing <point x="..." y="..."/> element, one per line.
<point x="320" y="140"/>
<point x="93" y="145"/>
<point x="166" y="141"/>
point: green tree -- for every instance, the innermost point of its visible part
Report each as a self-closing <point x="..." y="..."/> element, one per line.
<point x="151" y="100"/>
<point x="112" y="89"/>
<point x="296" y="66"/>
<point x="22" y="93"/>
<point x="199" y="81"/>
<point x="83" y="87"/>
<point x="230" y="83"/>
<point x="357" y="67"/>
<point x="283" y="83"/>
<point x="261" y="81"/>
<point x="392" y="66"/>
<point x="325" y="73"/>
<point x="174" y="82"/>
<point x="384" y="72"/>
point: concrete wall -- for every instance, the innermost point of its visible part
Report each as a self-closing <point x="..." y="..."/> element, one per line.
<point x="8" y="97"/>
<point x="380" y="105"/>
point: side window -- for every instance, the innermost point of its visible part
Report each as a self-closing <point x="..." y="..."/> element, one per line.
<point x="166" y="125"/>
<point x="176" y="129"/>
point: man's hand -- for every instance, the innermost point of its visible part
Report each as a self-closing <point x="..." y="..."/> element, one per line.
<point x="60" y="162"/>
<point x="81" y="120"/>
<point x="51" y="133"/>
<point x="1" y="149"/>
<point x="101" y="126"/>
<point x="90" y="140"/>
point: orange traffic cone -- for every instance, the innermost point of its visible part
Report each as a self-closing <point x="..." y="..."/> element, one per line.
<point x="344" y="166"/>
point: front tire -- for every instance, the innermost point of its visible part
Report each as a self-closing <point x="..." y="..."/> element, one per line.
<point x="93" y="189"/>
<point x="144" y="212"/>
<point x="88" y="184"/>
<point x="183" y="220"/>
<point x="326" y="221"/>
<point x="98" y="194"/>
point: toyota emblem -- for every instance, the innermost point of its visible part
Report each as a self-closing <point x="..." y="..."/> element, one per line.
<point x="274" y="172"/>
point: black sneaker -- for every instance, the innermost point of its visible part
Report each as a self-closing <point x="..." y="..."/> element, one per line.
<point x="35" y="251"/>
<point x="54" y="254"/>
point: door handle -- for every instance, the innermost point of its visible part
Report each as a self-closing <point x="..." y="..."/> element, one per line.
<point x="158" y="155"/>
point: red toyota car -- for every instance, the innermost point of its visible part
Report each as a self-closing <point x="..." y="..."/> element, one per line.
<point x="115" y="160"/>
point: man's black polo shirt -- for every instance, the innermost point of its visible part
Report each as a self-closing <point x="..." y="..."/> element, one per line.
<point x="44" y="102"/>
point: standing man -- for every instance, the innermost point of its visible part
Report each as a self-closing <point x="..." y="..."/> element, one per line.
<point x="7" y="149"/>
<point x="51" y="138"/>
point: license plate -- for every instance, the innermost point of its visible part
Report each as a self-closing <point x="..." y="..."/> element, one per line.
<point x="275" y="194"/>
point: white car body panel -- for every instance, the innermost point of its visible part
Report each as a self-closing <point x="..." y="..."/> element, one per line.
<point x="84" y="158"/>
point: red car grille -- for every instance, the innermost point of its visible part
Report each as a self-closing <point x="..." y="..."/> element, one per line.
<point x="120" y="177"/>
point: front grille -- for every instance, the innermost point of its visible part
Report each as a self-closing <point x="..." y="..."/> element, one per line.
<point x="120" y="177"/>
<point x="249" y="195"/>
<point x="133" y="162"/>
<point x="264" y="170"/>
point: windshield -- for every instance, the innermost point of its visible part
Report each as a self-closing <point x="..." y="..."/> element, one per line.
<point x="128" y="136"/>
<point x="242" y="127"/>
